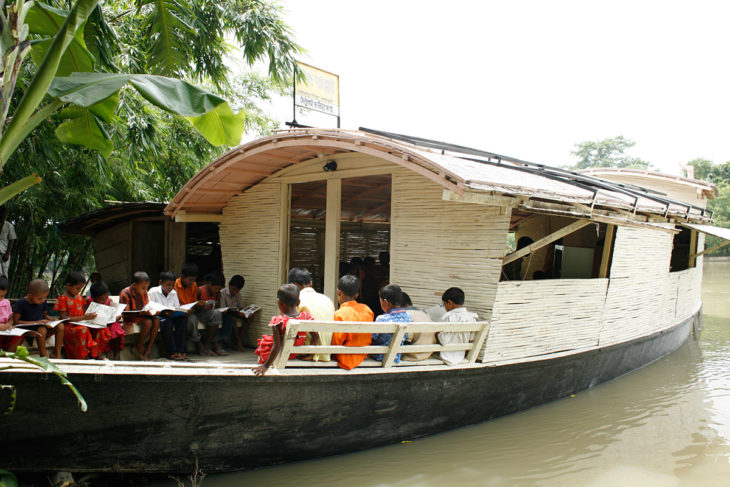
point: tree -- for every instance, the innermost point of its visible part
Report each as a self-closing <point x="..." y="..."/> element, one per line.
<point x="607" y="153"/>
<point x="159" y="151"/>
<point x="719" y="174"/>
<point x="76" y="75"/>
<point x="706" y="170"/>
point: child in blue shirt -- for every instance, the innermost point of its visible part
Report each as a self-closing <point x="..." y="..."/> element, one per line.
<point x="391" y="299"/>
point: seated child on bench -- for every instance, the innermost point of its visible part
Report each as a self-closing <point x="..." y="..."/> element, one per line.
<point x="287" y="298"/>
<point x="453" y="299"/>
<point x="78" y="341"/>
<point x="8" y="343"/>
<point x="350" y="310"/>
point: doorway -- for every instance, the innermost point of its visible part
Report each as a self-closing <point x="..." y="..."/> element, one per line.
<point x="359" y="240"/>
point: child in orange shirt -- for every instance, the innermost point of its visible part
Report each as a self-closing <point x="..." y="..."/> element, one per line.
<point x="350" y="310"/>
<point x="136" y="298"/>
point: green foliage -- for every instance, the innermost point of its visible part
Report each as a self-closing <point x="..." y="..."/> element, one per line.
<point x="8" y="479"/>
<point x="719" y="174"/>
<point x="607" y="153"/>
<point x="157" y="152"/>
<point x="43" y="363"/>
<point x="707" y="170"/>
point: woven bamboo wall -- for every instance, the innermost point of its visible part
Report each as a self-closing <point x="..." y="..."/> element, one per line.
<point x="249" y="236"/>
<point x="533" y="318"/>
<point x="538" y="317"/>
<point x="438" y="244"/>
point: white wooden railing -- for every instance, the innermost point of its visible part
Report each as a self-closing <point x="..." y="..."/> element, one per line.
<point x="480" y="330"/>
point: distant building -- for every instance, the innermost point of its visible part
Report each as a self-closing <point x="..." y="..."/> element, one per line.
<point x="133" y="236"/>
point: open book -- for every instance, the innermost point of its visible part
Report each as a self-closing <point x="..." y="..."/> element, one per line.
<point x="247" y="311"/>
<point x="104" y="314"/>
<point x="48" y="324"/>
<point x="154" y="308"/>
<point x="15" y="332"/>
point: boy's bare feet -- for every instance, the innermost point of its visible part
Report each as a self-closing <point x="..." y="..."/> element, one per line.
<point x="139" y="353"/>
<point x="203" y="351"/>
<point x="54" y="354"/>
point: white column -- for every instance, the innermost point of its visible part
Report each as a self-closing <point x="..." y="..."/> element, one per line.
<point x="332" y="238"/>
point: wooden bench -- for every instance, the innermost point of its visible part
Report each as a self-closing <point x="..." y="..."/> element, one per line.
<point x="480" y="330"/>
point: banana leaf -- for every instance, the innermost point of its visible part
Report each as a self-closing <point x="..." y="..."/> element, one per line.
<point x="210" y="114"/>
<point x="18" y="187"/>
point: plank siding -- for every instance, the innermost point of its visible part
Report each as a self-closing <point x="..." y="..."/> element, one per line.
<point x="437" y="244"/>
<point x="113" y="247"/>
<point x="250" y="238"/>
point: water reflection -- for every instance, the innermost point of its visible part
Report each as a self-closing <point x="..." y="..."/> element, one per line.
<point x="667" y="424"/>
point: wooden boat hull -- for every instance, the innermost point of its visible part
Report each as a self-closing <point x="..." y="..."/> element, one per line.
<point x="160" y="423"/>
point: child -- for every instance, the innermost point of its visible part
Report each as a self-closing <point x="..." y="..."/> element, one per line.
<point x="351" y="310"/>
<point x="208" y="315"/>
<point x="113" y="335"/>
<point x="391" y="298"/>
<point x="9" y="343"/>
<point x="172" y="324"/>
<point x="34" y="309"/>
<point x="453" y="299"/>
<point x="135" y="297"/>
<point x="78" y="342"/>
<point x="287" y="298"/>
<point x="187" y="292"/>
<point x="418" y="316"/>
<point x="94" y="277"/>
<point x="230" y="297"/>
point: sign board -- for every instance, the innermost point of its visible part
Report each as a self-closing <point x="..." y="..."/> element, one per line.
<point x="320" y="91"/>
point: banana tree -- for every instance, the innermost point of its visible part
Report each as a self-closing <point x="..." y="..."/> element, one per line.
<point x="66" y="85"/>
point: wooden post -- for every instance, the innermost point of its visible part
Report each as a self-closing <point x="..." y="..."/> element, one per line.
<point x="557" y="235"/>
<point x="693" y="248"/>
<point x="395" y="342"/>
<point x="291" y="334"/>
<point x="714" y="247"/>
<point x="284" y="225"/>
<point x="607" y="247"/>
<point x="478" y="343"/>
<point x="332" y="238"/>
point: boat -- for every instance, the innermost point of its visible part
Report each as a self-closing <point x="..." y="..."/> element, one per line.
<point x="578" y="278"/>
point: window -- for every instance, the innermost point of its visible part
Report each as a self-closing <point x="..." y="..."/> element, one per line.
<point x="574" y="249"/>
<point x="684" y="247"/>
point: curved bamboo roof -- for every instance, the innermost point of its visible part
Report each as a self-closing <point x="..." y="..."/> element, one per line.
<point x="458" y="169"/>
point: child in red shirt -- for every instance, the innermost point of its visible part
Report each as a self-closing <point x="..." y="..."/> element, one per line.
<point x="287" y="298"/>
<point x="78" y="342"/>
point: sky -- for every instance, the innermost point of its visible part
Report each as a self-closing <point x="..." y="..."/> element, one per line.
<point x="528" y="79"/>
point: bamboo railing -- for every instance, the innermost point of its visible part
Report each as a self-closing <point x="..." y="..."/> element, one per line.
<point x="479" y="329"/>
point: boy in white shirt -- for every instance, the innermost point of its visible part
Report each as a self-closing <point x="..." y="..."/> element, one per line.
<point x="172" y="324"/>
<point x="453" y="299"/>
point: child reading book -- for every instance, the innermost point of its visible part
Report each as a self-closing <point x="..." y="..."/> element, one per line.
<point x="113" y="333"/>
<point x="33" y="309"/>
<point x="287" y="298"/>
<point x="8" y="343"/>
<point x="78" y="342"/>
<point x="209" y="315"/>
<point x="230" y="299"/>
<point x="136" y="298"/>
<point x="172" y="323"/>
<point x="187" y="293"/>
